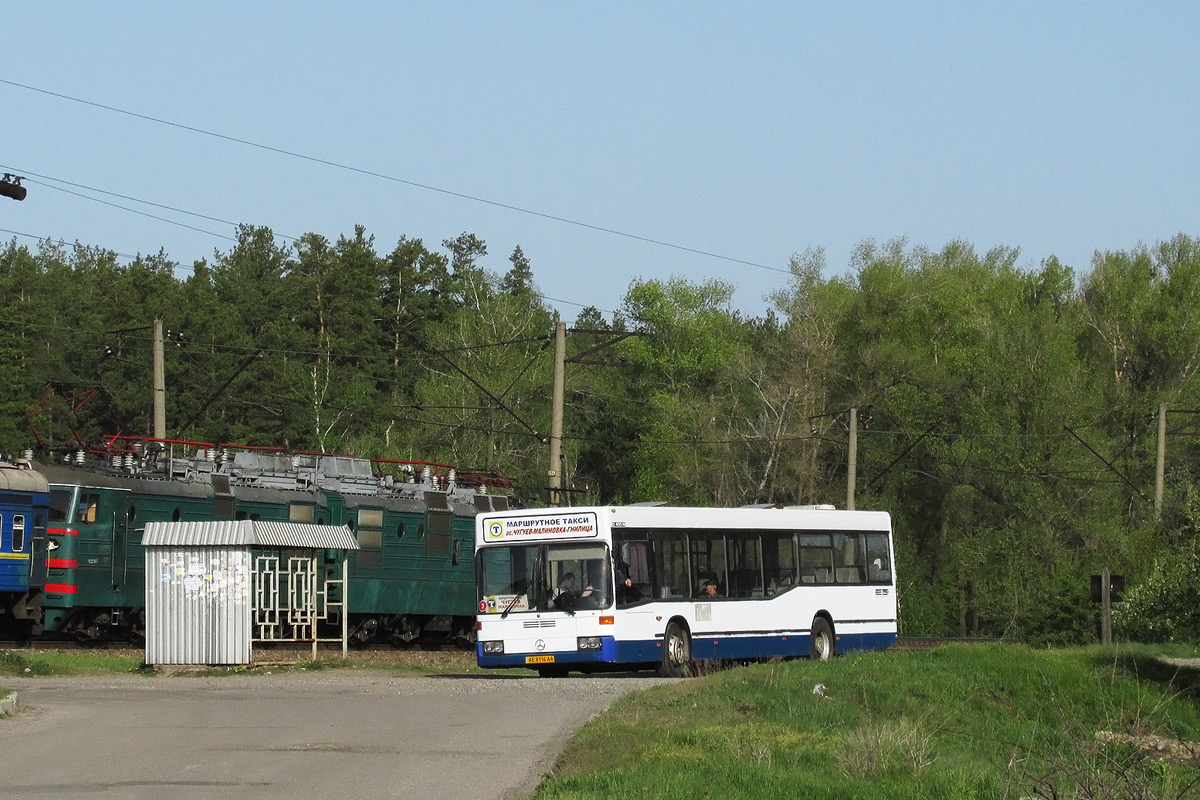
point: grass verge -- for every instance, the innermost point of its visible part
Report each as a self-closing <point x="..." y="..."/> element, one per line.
<point x="73" y="661"/>
<point x="34" y="663"/>
<point x="961" y="721"/>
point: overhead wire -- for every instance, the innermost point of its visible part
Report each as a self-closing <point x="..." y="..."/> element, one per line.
<point x="689" y="442"/>
<point x="88" y="335"/>
<point x="135" y="211"/>
<point x="25" y="175"/>
<point x="399" y="180"/>
<point x="180" y="266"/>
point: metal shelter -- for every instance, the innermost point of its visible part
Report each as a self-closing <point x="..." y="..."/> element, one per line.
<point x="213" y="589"/>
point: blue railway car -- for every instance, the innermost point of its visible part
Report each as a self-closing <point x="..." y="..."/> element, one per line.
<point x="24" y="509"/>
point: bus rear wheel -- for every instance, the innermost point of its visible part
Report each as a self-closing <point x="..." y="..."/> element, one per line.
<point x="821" y="642"/>
<point x="677" y="652"/>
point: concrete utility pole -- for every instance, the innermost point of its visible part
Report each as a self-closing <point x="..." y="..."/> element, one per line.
<point x="160" y="384"/>
<point x="556" y="414"/>
<point x="1161" y="459"/>
<point x="852" y="461"/>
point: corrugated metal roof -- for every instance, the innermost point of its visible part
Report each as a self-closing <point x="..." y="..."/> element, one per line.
<point x="248" y="533"/>
<point x="294" y="534"/>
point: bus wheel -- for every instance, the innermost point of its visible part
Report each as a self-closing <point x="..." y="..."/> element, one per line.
<point x="821" y="642"/>
<point x="677" y="652"/>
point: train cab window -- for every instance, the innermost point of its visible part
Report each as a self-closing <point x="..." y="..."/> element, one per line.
<point x="176" y="515"/>
<point x="399" y="530"/>
<point x="130" y="513"/>
<point x="223" y="508"/>
<point x="88" y="504"/>
<point x="300" y="512"/>
<point x="439" y="533"/>
<point x="350" y="525"/>
<point x="60" y="504"/>
<point x="369" y="533"/>
<point x="18" y="533"/>
<point x="239" y="516"/>
<point x="421" y="531"/>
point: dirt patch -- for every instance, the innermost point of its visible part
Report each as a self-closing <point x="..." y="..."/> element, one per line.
<point x="1158" y="748"/>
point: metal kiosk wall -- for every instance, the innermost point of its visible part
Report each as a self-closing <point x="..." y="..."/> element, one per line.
<point x="215" y="588"/>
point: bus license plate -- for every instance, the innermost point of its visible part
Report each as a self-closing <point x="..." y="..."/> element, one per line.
<point x="539" y="659"/>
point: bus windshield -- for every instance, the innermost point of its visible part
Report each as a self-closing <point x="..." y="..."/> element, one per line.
<point x="552" y="577"/>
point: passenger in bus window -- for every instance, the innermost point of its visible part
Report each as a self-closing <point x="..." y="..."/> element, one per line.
<point x="600" y="594"/>
<point x="623" y="578"/>
<point x="564" y="594"/>
<point x="710" y="588"/>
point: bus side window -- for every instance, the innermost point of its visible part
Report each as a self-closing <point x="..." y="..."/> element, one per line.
<point x="779" y="561"/>
<point x="816" y="558"/>
<point x="633" y="562"/>
<point x="879" y="570"/>
<point x="671" y="566"/>
<point x="850" y="559"/>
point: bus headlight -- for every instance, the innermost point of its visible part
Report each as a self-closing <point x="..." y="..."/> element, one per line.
<point x="493" y="648"/>
<point x="588" y="643"/>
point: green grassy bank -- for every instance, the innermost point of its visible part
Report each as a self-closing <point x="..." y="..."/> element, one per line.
<point x="30" y="663"/>
<point x="961" y="721"/>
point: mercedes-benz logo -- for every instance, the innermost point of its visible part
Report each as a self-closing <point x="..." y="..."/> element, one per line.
<point x="540" y="645"/>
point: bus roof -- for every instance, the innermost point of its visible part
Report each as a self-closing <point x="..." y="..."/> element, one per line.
<point x="559" y="521"/>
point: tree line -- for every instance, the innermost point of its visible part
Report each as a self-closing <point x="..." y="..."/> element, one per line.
<point x="1006" y="414"/>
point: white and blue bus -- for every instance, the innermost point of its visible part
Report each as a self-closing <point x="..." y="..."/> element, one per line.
<point x="603" y="587"/>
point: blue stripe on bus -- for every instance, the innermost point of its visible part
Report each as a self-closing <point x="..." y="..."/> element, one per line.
<point x="753" y="647"/>
<point x="734" y="648"/>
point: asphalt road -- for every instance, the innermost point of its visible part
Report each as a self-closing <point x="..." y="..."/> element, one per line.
<point x="329" y="734"/>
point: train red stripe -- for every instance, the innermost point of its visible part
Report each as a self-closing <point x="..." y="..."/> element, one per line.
<point x="62" y="531"/>
<point x="61" y="562"/>
<point x="60" y="588"/>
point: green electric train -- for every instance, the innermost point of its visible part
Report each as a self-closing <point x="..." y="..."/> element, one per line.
<point x="412" y="577"/>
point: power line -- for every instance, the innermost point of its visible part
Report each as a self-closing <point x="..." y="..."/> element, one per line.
<point x="136" y="200"/>
<point x="382" y="356"/>
<point x="135" y="211"/>
<point x="395" y="179"/>
<point x="59" y="241"/>
<point x="187" y="268"/>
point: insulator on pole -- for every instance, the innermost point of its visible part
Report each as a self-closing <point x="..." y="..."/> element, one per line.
<point x="10" y="186"/>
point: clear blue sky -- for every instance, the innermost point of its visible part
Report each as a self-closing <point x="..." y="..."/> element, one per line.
<point x="751" y="130"/>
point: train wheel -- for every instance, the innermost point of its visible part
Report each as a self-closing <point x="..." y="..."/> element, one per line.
<point x="137" y="626"/>
<point x="822" y="646"/>
<point x="677" y="652"/>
